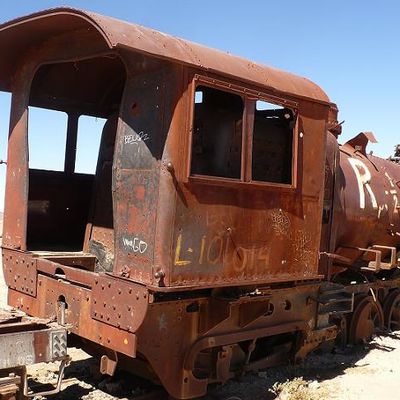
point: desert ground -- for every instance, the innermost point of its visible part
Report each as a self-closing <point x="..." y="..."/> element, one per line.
<point x="370" y="372"/>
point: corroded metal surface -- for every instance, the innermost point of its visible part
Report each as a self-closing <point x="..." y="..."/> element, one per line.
<point x="20" y="273"/>
<point x="366" y="213"/>
<point x="119" y="303"/>
<point x="186" y="273"/>
<point x="28" y="340"/>
<point x="117" y="33"/>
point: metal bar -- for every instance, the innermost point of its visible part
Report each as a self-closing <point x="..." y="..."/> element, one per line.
<point x="70" y="148"/>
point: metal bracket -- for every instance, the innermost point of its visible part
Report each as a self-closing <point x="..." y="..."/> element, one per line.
<point x="56" y="390"/>
<point x="9" y="386"/>
<point x="107" y="365"/>
<point x="224" y="358"/>
<point x="377" y="264"/>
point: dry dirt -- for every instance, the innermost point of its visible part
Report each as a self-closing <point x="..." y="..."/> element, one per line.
<point x="368" y="373"/>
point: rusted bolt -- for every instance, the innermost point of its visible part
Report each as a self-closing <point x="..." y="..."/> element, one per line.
<point x="170" y="167"/>
<point x="159" y="274"/>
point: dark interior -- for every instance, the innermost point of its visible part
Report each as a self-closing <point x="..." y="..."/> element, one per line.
<point x="217" y="138"/>
<point x="217" y="134"/>
<point x="57" y="210"/>
<point x="272" y="146"/>
<point x="65" y="207"/>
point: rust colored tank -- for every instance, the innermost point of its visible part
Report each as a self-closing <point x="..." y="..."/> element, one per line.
<point x="366" y="215"/>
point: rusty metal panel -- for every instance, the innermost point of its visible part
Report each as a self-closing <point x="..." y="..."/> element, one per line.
<point x="244" y="236"/>
<point x="139" y="148"/>
<point x="226" y="233"/>
<point x="366" y="204"/>
<point x="175" y="328"/>
<point x="113" y="33"/>
<point x="119" y="303"/>
<point x="31" y="347"/>
<point x="20" y="271"/>
<point x="16" y="194"/>
<point x="28" y="340"/>
<point x="77" y="314"/>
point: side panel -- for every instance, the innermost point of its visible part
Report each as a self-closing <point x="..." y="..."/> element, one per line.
<point x="230" y="234"/>
<point x="139" y="149"/>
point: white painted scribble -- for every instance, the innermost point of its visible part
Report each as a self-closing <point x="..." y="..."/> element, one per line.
<point x="363" y="176"/>
<point x="135" y="244"/>
<point x="302" y="246"/>
<point x="134" y="138"/>
<point x="393" y="192"/>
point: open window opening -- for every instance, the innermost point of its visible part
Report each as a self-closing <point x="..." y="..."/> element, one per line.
<point x="74" y="109"/>
<point x="272" y="150"/>
<point x="217" y="133"/>
<point x="88" y="143"/>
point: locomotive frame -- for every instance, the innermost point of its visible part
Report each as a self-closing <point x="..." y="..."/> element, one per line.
<point x="190" y="256"/>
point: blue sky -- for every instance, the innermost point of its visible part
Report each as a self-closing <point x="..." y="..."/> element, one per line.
<point x="350" y="48"/>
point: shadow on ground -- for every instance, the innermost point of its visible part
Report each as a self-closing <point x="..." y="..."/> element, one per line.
<point x="317" y="368"/>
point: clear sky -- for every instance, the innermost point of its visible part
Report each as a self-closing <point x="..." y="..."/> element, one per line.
<point x="350" y="48"/>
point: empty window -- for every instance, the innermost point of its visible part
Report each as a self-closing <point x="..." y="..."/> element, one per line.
<point x="47" y="139"/>
<point x="272" y="143"/>
<point x="217" y="133"/>
<point x="88" y="143"/>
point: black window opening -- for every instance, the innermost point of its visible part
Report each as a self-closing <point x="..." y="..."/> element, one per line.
<point x="217" y="133"/>
<point x="272" y="150"/>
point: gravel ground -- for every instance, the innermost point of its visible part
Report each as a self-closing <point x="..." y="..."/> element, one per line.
<point x="369" y="373"/>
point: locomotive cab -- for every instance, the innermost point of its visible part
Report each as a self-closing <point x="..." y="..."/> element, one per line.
<point x="201" y="179"/>
<point x="203" y="212"/>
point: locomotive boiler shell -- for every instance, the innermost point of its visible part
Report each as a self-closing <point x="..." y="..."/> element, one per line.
<point x="367" y="204"/>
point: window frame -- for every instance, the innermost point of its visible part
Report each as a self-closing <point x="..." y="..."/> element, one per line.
<point x="250" y="98"/>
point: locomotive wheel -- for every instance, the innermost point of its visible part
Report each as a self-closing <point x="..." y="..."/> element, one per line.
<point x="366" y="319"/>
<point x="391" y="311"/>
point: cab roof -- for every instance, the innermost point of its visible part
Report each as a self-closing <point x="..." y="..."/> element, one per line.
<point x="19" y="35"/>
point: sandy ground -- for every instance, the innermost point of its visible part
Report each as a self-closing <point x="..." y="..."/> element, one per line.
<point x="369" y="373"/>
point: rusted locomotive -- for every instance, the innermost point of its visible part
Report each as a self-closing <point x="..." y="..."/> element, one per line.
<point x="224" y="229"/>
